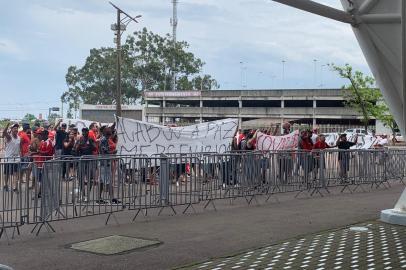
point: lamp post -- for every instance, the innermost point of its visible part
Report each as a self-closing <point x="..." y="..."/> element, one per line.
<point x="315" y="72"/>
<point x="321" y="75"/>
<point x="119" y="27"/>
<point x="283" y="73"/>
<point x="272" y="79"/>
<point x="242" y="73"/>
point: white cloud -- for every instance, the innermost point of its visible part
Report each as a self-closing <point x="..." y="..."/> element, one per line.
<point x="10" y="48"/>
<point x="57" y="33"/>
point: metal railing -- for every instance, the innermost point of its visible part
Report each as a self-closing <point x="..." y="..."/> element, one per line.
<point x="41" y="192"/>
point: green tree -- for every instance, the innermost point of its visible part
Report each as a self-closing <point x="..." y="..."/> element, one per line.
<point x="382" y="113"/>
<point x="29" y="118"/>
<point x="360" y="94"/>
<point x="148" y="61"/>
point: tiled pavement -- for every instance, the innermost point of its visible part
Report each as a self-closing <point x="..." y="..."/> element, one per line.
<point x="372" y="245"/>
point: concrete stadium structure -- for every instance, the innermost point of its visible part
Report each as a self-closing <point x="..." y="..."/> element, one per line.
<point x="307" y="106"/>
<point x="105" y="113"/>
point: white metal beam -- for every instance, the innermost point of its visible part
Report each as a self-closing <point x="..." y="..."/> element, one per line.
<point x="366" y="6"/>
<point x="319" y="9"/>
<point x="381" y="18"/>
<point x="403" y="53"/>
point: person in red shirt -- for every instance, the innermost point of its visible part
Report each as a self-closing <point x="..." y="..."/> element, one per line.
<point x="95" y="136"/>
<point x="25" y="142"/>
<point x="321" y="143"/>
<point x="306" y="160"/>
<point x="319" y="146"/>
<point x="44" y="152"/>
<point x="46" y="148"/>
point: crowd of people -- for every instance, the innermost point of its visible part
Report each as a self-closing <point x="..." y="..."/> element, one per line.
<point x="310" y="144"/>
<point x="308" y="139"/>
<point x="37" y="144"/>
<point x="32" y="146"/>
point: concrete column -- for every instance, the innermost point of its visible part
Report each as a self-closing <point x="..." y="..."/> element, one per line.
<point x="282" y="114"/>
<point x="240" y="104"/>
<point x="314" y="112"/>
<point x="201" y="110"/>
<point x="164" y="103"/>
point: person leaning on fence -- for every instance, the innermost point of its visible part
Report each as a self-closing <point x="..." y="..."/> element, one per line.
<point x="105" y="167"/>
<point x="85" y="147"/>
<point x="305" y="146"/>
<point x="34" y="146"/>
<point x="25" y="151"/>
<point x="343" y="155"/>
<point x="68" y="151"/>
<point x="45" y="151"/>
<point x="319" y="146"/>
<point x="285" y="157"/>
<point x="60" y="137"/>
<point x="12" y="156"/>
<point x="94" y="134"/>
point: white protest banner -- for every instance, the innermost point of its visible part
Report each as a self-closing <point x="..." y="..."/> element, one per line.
<point x="331" y="138"/>
<point x="270" y="143"/>
<point x="137" y="137"/>
<point x="363" y="141"/>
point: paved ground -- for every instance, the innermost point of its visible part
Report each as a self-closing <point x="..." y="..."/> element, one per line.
<point x="193" y="238"/>
<point x="371" y="246"/>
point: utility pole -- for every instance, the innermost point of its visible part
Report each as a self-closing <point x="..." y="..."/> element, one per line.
<point x="174" y="23"/>
<point x="119" y="27"/>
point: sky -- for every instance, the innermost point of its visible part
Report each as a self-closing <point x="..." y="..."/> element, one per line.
<point x="242" y="42"/>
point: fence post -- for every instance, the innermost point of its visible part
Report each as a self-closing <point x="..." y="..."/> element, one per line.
<point x="322" y="169"/>
<point x="164" y="180"/>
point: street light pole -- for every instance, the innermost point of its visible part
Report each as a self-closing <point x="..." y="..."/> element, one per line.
<point x="283" y="73"/>
<point x="242" y="73"/>
<point x="119" y="27"/>
<point x="118" y="81"/>
<point x="315" y="72"/>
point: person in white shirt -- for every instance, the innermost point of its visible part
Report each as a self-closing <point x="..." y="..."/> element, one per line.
<point x="12" y="154"/>
<point x="315" y="135"/>
<point x="382" y="142"/>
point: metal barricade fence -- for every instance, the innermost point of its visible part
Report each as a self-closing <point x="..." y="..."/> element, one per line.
<point x="395" y="164"/>
<point x="39" y="192"/>
<point x="70" y="188"/>
<point x="11" y="202"/>
<point x="164" y="181"/>
<point x="232" y="175"/>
